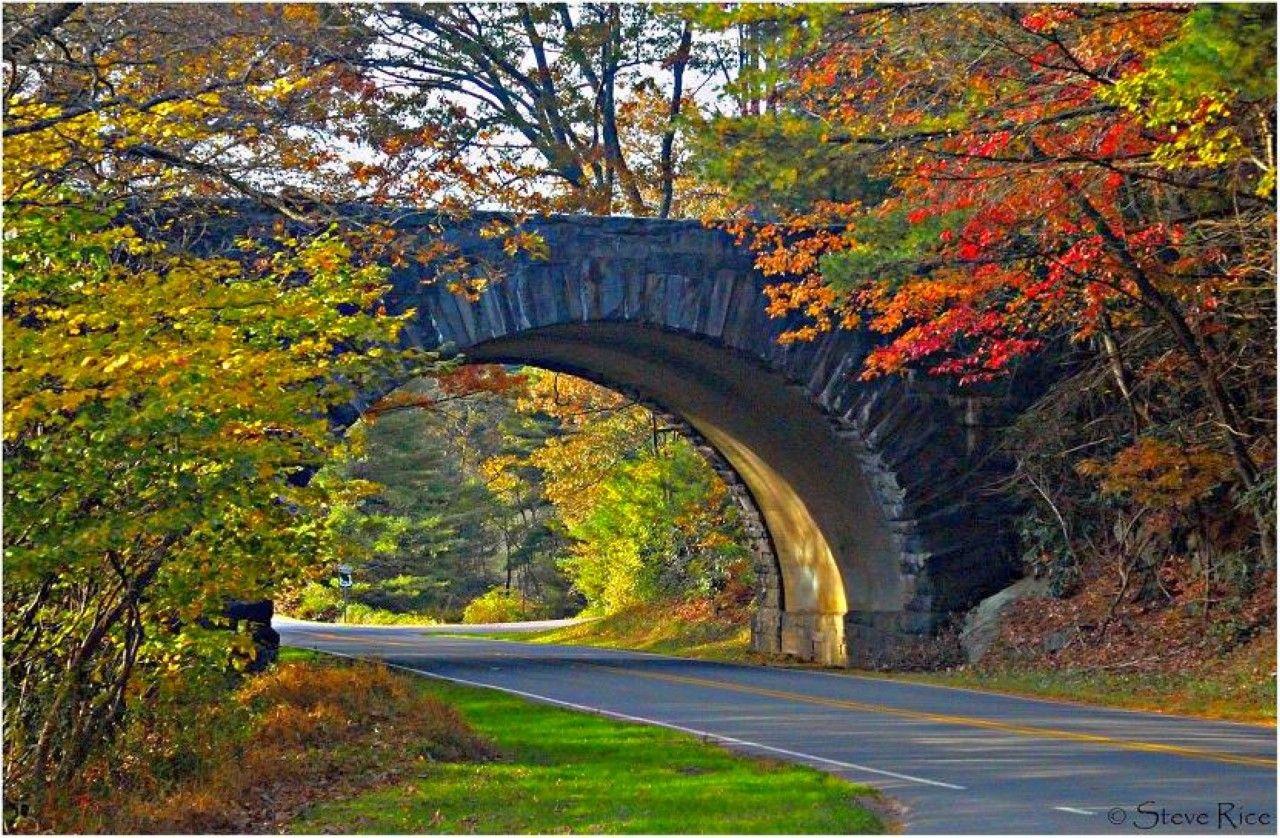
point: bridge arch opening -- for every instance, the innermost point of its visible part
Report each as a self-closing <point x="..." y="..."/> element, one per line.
<point x="825" y="548"/>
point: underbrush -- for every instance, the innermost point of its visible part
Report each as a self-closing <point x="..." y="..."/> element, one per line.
<point x="324" y="603"/>
<point x="1240" y="687"/>
<point x="358" y="612"/>
<point x="1186" y="647"/>
<point x="302" y="732"/>
<point x="501" y="605"/>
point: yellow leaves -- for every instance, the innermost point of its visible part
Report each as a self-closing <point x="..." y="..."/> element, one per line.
<point x="469" y="288"/>
<point x="300" y="13"/>
<point x="1267" y="182"/>
<point x="527" y="242"/>
<point x="325" y="256"/>
<point x="516" y="241"/>
<point x="572" y="400"/>
<point x="499" y="473"/>
<point x="279" y="88"/>
<point x="115" y="364"/>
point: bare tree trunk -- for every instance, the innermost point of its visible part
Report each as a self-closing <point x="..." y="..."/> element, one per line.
<point x="1124" y="381"/>
<point x="673" y="115"/>
<point x="612" y="145"/>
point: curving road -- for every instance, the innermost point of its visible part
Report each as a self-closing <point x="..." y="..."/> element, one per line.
<point x="958" y="761"/>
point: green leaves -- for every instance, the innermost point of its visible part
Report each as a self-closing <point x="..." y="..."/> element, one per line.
<point x="155" y="404"/>
<point x="889" y="248"/>
<point x="1208" y="91"/>
<point x="660" y="525"/>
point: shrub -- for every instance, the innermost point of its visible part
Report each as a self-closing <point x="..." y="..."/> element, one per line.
<point x="358" y="612"/>
<point x="318" y="602"/>
<point x="500" y="606"/>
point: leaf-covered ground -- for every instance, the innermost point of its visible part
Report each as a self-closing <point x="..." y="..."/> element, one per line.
<point x="247" y="761"/>
<point x="1157" y="652"/>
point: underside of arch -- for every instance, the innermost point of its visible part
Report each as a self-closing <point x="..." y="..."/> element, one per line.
<point x="834" y="549"/>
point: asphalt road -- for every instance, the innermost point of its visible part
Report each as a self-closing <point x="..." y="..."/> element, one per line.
<point x="958" y="761"/>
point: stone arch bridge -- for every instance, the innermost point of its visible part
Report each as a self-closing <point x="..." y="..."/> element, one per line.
<point x="868" y="503"/>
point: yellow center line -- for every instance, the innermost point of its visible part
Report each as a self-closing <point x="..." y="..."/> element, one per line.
<point x="964" y="721"/>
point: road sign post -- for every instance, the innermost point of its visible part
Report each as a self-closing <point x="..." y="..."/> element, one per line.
<point x="344" y="583"/>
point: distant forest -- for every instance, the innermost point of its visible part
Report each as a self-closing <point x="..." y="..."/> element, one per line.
<point x="497" y="494"/>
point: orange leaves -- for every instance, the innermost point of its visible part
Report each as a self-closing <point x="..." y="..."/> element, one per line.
<point x="1161" y="474"/>
<point x="572" y="400"/>
<point x="460" y="382"/>
<point x="1011" y="182"/>
<point x="516" y="241"/>
<point x="399" y="400"/>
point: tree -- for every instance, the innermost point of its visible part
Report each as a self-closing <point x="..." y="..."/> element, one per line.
<point x="539" y="107"/>
<point x="1098" y="175"/>
<point x="454" y="507"/>
<point x="152" y="104"/>
<point x="424" y="532"/>
<point x="645" y="515"/>
<point x="155" y="406"/>
<point x="160" y="402"/>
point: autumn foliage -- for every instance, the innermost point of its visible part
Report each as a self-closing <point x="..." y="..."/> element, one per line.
<point x="302" y="733"/>
<point x="161" y="402"/>
<point x="982" y="185"/>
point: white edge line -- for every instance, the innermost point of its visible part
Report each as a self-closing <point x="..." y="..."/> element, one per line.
<point x="728" y="740"/>
<point x="1074" y="810"/>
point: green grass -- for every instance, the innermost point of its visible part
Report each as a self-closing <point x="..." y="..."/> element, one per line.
<point x="290" y="654"/>
<point x="650" y="629"/>
<point x="563" y="771"/>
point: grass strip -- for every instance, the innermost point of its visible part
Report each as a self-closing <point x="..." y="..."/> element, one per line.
<point x="563" y="771"/>
<point x="650" y="629"/>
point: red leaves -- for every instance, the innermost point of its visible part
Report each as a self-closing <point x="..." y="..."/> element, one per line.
<point x="1046" y="18"/>
<point x="1031" y="162"/>
<point x="1110" y="141"/>
<point x="990" y="144"/>
<point x="469" y="379"/>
